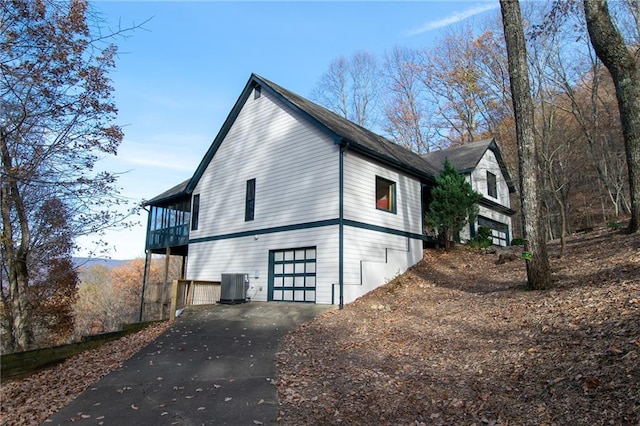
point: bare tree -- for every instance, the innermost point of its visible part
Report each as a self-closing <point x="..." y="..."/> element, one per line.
<point x="621" y="63"/>
<point x="407" y="116"/>
<point x="538" y="270"/>
<point x="350" y="87"/>
<point x="591" y="105"/>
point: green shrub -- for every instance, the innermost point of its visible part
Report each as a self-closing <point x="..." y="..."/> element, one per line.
<point x="454" y="203"/>
<point x="613" y="225"/>
<point x="517" y="242"/>
<point x="483" y="239"/>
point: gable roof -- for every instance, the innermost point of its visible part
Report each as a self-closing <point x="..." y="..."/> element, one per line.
<point x="348" y="134"/>
<point x="342" y="130"/>
<point x="358" y="138"/>
<point x="465" y="158"/>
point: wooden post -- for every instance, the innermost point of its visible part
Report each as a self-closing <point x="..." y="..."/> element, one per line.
<point x="174" y="300"/>
<point x="163" y="298"/>
<point x="145" y="277"/>
<point x="189" y="294"/>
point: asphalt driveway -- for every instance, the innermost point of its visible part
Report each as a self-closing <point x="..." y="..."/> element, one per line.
<point x="213" y="366"/>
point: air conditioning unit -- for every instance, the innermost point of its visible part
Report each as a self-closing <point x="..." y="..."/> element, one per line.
<point x="233" y="288"/>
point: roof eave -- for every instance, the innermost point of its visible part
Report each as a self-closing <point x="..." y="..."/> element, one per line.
<point x="391" y="161"/>
<point x="165" y="200"/>
<point x="493" y="146"/>
<point x="497" y="206"/>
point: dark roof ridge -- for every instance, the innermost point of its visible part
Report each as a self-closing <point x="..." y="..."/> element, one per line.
<point x="370" y="141"/>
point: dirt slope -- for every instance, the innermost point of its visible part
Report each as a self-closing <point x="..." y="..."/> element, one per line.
<point x="457" y="340"/>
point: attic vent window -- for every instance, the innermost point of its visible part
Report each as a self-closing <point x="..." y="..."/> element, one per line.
<point x="492" y="187"/>
<point x="250" y="201"/>
<point x="195" y="212"/>
<point x="385" y="195"/>
<point x="257" y="92"/>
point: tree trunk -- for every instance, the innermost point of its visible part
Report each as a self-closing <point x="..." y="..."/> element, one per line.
<point x="614" y="54"/>
<point x="538" y="271"/>
<point x="15" y="256"/>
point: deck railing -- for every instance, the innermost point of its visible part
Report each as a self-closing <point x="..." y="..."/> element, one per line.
<point x="155" y="304"/>
<point x="168" y="237"/>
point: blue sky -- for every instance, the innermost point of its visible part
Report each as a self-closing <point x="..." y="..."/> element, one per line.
<point x="177" y="79"/>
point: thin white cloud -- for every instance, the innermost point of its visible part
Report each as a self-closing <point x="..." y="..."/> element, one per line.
<point x="453" y="18"/>
<point x="168" y="152"/>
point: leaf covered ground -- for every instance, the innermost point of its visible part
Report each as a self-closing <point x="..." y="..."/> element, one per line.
<point x="31" y="400"/>
<point x="458" y="340"/>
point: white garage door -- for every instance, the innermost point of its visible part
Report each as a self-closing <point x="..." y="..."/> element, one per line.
<point x="292" y="275"/>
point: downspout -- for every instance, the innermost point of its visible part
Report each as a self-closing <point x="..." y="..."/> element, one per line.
<point x="423" y="211"/>
<point x="344" y="145"/>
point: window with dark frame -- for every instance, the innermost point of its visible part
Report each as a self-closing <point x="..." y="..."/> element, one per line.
<point x="385" y="194"/>
<point x="492" y="187"/>
<point x="195" y="212"/>
<point x="250" y="204"/>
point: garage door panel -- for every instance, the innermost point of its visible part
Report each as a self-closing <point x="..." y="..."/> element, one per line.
<point x="292" y="275"/>
<point x="499" y="231"/>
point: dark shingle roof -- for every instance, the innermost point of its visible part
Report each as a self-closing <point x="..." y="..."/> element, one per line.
<point x="169" y="194"/>
<point x="465" y="158"/>
<point x="368" y="141"/>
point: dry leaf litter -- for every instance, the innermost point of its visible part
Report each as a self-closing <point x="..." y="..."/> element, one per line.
<point x="457" y="340"/>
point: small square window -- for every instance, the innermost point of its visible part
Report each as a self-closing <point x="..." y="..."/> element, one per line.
<point x="385" y="195"/>
<point x="492" y="187"/>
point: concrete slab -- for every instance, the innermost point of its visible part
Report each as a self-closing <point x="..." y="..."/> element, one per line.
<point x="213" y="366"/>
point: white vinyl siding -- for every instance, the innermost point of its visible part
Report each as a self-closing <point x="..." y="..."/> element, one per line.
<point x="489" y="163"/>
<point x="360" y="195"/>
<point x="478" y="179"/>
<point x="295" y="166"/>
<point x="373" y="258"/>
<point x="250" y="255"/>
<point x="296" y="169"/>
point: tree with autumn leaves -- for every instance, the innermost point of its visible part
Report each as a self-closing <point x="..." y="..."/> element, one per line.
<point x="581" y="156"/>
<point x="109" y="297"/>
<point x="57" y="119"/>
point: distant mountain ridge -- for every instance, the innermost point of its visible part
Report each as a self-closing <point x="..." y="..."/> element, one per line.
<point x="88" y="262"/>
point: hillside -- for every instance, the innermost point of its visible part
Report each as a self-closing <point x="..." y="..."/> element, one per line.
<point x="88" y="262"/>
<point x="458" y="340"/>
